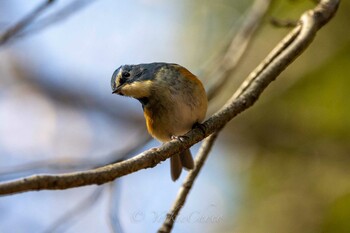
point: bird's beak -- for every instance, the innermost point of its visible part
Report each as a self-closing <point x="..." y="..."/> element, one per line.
<point x="117" y="90"/>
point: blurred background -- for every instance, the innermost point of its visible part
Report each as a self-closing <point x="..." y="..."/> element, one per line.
<point x="282" y="166"/>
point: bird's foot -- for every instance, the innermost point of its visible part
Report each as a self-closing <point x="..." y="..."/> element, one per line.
<point x="180" y="138"/>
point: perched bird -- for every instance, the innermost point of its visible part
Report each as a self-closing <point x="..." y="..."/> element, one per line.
<point x="172" y="98"/>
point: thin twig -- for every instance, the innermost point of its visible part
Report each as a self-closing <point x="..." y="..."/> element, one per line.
<point x="310" y="22"/>
<point x="114" y="207"/>
<point x="68" y="96"/>
<point x="81" y="208"/>
<point x="60" y="15"/>
<point x="283" y="23"/>
<point x="23" y="23"/>
<point x="237" y="47"/>
<point x="187" y="184"/>
<point x="70" y="164"/>
<point x="273" y="55"/>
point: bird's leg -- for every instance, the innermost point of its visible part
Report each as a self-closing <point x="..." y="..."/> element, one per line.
<point x="200" y="126"/>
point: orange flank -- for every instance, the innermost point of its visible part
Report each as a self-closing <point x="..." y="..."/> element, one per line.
<point x="149" y="122"/>
<point x="187" y="74"/>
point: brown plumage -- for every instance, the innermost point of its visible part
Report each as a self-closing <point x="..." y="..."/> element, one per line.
<point x="173" y="100"/>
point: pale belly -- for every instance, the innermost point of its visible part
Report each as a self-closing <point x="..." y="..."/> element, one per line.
<point x="176" y="122"/>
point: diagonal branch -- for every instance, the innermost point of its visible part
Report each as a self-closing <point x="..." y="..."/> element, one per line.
<point x="293" y="45"/>
<point x="237" y="47"/>
<point x="187" y="184"/>
<point x="208" y="142"/>
<point x="22" y="29"/>
<point x="224" y="70"/>
<point x="54" y="18"/>
<point x="22" y="24"/>
<point x="70" y="216"/>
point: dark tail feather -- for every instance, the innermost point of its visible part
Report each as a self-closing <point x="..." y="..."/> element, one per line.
<point x="187" y="160"/>
<point x="175" y="167"/>
<point x="178" y="161"/>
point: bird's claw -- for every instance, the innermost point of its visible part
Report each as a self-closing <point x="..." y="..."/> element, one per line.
<point x="180" y="138"/>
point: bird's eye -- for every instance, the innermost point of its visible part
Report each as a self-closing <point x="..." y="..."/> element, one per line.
<point x="125" y="74"/>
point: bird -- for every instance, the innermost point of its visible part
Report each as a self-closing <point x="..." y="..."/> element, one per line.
<point x="173" y="100"/>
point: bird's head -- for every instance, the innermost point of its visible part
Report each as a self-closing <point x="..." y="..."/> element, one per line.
<point x="132" y="80"/>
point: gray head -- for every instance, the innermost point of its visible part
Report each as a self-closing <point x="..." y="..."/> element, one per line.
<point x="135" y="80"/>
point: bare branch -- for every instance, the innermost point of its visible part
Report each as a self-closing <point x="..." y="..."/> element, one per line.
<point x="22" y="24"/>
<point x="79" y="209"/>
<point x="60" y="15"/>
<point x="237" y="47"/>
<point x="298" y="40"/>
<point x="187" y="184"/>
<point x="22" y="29"/>
<point x="70" y="164"/>
<point x="114" y="208"/>
<point x="68" y="96"/>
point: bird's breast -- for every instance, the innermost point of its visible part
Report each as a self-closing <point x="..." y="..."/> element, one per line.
<point x="163" y="122"/>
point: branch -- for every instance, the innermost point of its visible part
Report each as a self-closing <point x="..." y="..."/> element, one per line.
<point x="22" y="24"/>
<point x="278" y="60"/>
<point x="208" y="142"/>
<point x="187" y="184"/>
<point x="70" y="216"/>
<point x="237" y="47"/>
<point x="114" y="208"/>
<point x="20" y="29"/>
<point x="60" y="15"/>
<point x="229" y="59"/>
<point x="224" y="70"/>
<point x="69" y="164"/>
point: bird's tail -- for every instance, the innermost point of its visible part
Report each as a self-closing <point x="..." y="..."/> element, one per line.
<point x="177" y="161"/>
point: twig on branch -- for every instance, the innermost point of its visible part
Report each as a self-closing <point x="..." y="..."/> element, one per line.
<point x="22" y="24"/>
<point x="259" y="79"/>
<point x="187" y="184"/>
